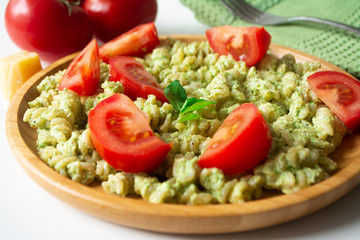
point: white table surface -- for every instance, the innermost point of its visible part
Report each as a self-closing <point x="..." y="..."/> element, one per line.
<point x="29" y="212"/>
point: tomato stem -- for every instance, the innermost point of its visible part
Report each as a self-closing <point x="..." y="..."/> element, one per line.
<point x="70" y="3"/>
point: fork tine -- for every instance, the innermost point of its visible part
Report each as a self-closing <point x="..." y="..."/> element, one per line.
<point x="251" y="14"/>
<point x="241" y="4"/>
<point x="233" y="7"/>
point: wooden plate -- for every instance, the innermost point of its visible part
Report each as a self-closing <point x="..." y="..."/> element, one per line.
<point x="173" y="218"/>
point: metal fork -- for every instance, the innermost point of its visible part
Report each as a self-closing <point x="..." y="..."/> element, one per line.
<point x="251" y="14"/>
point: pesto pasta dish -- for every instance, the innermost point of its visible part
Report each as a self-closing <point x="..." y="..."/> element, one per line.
<point x="206" y="122"/>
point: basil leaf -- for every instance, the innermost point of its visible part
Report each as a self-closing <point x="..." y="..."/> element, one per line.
<point x="176" y="94"/>
<point x="193" y="104"/>
<point x="189" y="116"/>
<point x="189" y="102"/>
<point x="186" y="106"/>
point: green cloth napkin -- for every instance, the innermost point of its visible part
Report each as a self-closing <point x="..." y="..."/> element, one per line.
<point x="338" y="47"/>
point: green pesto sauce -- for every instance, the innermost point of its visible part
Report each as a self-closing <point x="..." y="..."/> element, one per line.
<point x="303" y="129"/>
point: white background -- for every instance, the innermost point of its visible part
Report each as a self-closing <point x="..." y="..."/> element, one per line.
<point x="29" y="212"/>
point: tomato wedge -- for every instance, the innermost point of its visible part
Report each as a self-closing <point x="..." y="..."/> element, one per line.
<point x="136" y="80"/>
<point x="83" y="74"/>
<point x="136" y="42"/>
<point x="248" y="44"/>
<point x="241" y="142"/>
<point x="121" y="134"/>
<point x="341" y="93"/>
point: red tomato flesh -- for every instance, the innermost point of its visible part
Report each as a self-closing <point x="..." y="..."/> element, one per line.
<point x="136" y="42"/>
<point x="121" y="134"/>
<point x="341" y="93"/>
<point x="241" y="142"/>
<point x="248" y="44"/>
<point x="136" y="80"/>
<point x="83" y="74"/>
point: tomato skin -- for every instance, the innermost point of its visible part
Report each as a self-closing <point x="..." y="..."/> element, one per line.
<point x="341" y="93"/>
<point x="45" y="27"/>
<point x="241" y="142"/>
<point x="114" y="141"/>
<point x="83" y="74"/>
<point x="136" y="42"/>
<point x="111" y="18"/>
<point x="136" y="80"/>
<point x="248" y="44"/>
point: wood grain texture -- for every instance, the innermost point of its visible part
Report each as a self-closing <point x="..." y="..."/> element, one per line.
<point x="222" y="218"/>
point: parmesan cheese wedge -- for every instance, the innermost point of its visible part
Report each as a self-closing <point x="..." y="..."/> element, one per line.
<point x="15" y="70"/>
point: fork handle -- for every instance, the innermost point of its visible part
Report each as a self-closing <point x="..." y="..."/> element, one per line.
<point x="325" y="21"/>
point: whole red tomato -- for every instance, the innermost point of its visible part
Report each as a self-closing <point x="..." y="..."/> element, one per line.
<point x="52" y="28"/>
<point x="112" y="18"/>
